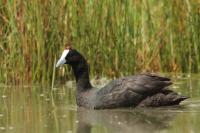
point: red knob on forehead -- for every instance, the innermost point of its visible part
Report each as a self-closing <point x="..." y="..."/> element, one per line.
<point x="68" y="45"/>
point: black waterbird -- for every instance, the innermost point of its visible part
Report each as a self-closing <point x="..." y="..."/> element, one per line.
<point x="148" y="90"/>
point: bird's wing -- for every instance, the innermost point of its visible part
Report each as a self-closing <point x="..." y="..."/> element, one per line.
<point x="146" y="84"/>
<point x="131" y="90"/>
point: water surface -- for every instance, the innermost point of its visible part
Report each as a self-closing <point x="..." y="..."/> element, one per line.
<point x="35" y="109"/>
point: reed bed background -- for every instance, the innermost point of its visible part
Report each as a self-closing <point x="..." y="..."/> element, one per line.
<point x="118" y="37"/>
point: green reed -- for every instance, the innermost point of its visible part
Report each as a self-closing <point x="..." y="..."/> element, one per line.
<point x="117" y="37"/>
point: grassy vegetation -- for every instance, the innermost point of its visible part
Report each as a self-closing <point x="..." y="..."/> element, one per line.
<point x="117" y="37"/>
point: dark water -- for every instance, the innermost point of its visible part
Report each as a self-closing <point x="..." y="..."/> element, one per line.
<point x="25" y="109"/>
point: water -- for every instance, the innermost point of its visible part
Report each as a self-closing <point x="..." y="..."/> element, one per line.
<point x="25" y="109"/>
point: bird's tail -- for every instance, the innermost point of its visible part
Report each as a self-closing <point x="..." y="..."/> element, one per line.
<point x="164" y="98"/>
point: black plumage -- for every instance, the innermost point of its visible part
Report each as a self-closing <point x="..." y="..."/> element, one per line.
<point x="146" y="90"/>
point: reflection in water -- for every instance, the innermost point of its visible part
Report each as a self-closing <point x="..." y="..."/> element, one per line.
<point x="118" y="121"/>
<point x="38" y="110"/>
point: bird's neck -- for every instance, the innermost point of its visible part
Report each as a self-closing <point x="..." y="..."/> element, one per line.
<point x="81" y="72"/>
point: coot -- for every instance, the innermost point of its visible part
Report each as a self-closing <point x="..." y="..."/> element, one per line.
<point x="146" y="90"/>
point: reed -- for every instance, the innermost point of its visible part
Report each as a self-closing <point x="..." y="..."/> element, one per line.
<point x="117" y="37"/>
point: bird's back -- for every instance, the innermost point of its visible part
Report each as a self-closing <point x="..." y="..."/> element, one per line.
<point x="131" y="91"/>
